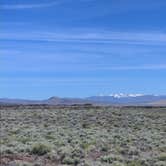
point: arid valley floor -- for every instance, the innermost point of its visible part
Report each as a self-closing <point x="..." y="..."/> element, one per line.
<point x="85" y="136"/>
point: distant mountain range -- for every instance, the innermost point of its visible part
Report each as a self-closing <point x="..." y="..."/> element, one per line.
<point x="130" y="99"/>
<point x="113" y="99"/>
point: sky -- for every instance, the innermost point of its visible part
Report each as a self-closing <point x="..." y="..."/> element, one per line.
<point x="79" y="48"/>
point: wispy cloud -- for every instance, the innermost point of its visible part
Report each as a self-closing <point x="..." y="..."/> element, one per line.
<point x="119" y="6"/>
<point x="146" y="38"/>
<point x="8" y="52"/>
<point x="56" y="81"/>
<point x="37" y="5"/>
<point x="27" y="6"/>
<point x="136" y="67"/>
<point x="83" y="68"/>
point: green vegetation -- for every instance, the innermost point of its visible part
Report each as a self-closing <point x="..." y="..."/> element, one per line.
<point x="162" y="157"/>
<point x="84" y="137"/>
<point x="107" y="159"/>
<point x="40" y="149"/>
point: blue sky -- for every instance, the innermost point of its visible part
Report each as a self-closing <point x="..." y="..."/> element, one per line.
<point x="81" y="48"/>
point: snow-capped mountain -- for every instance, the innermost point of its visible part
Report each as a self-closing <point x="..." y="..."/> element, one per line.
<point x="122" y="95"/>
<point x="127" y="99"/>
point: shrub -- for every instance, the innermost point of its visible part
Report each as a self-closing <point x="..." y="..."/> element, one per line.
<point x="68" y="160"/>
<point x="40" y="149"/>
<point x="104" y="148"/>
<point x="116" y="163"/>
<point x="160" y="163"/>
<point x="162" y="157"/>
<point x="134" y="163"/>
<point x="107" y="159"/>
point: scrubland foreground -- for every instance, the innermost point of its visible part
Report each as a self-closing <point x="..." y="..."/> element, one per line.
<point x="84" y="137"/>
